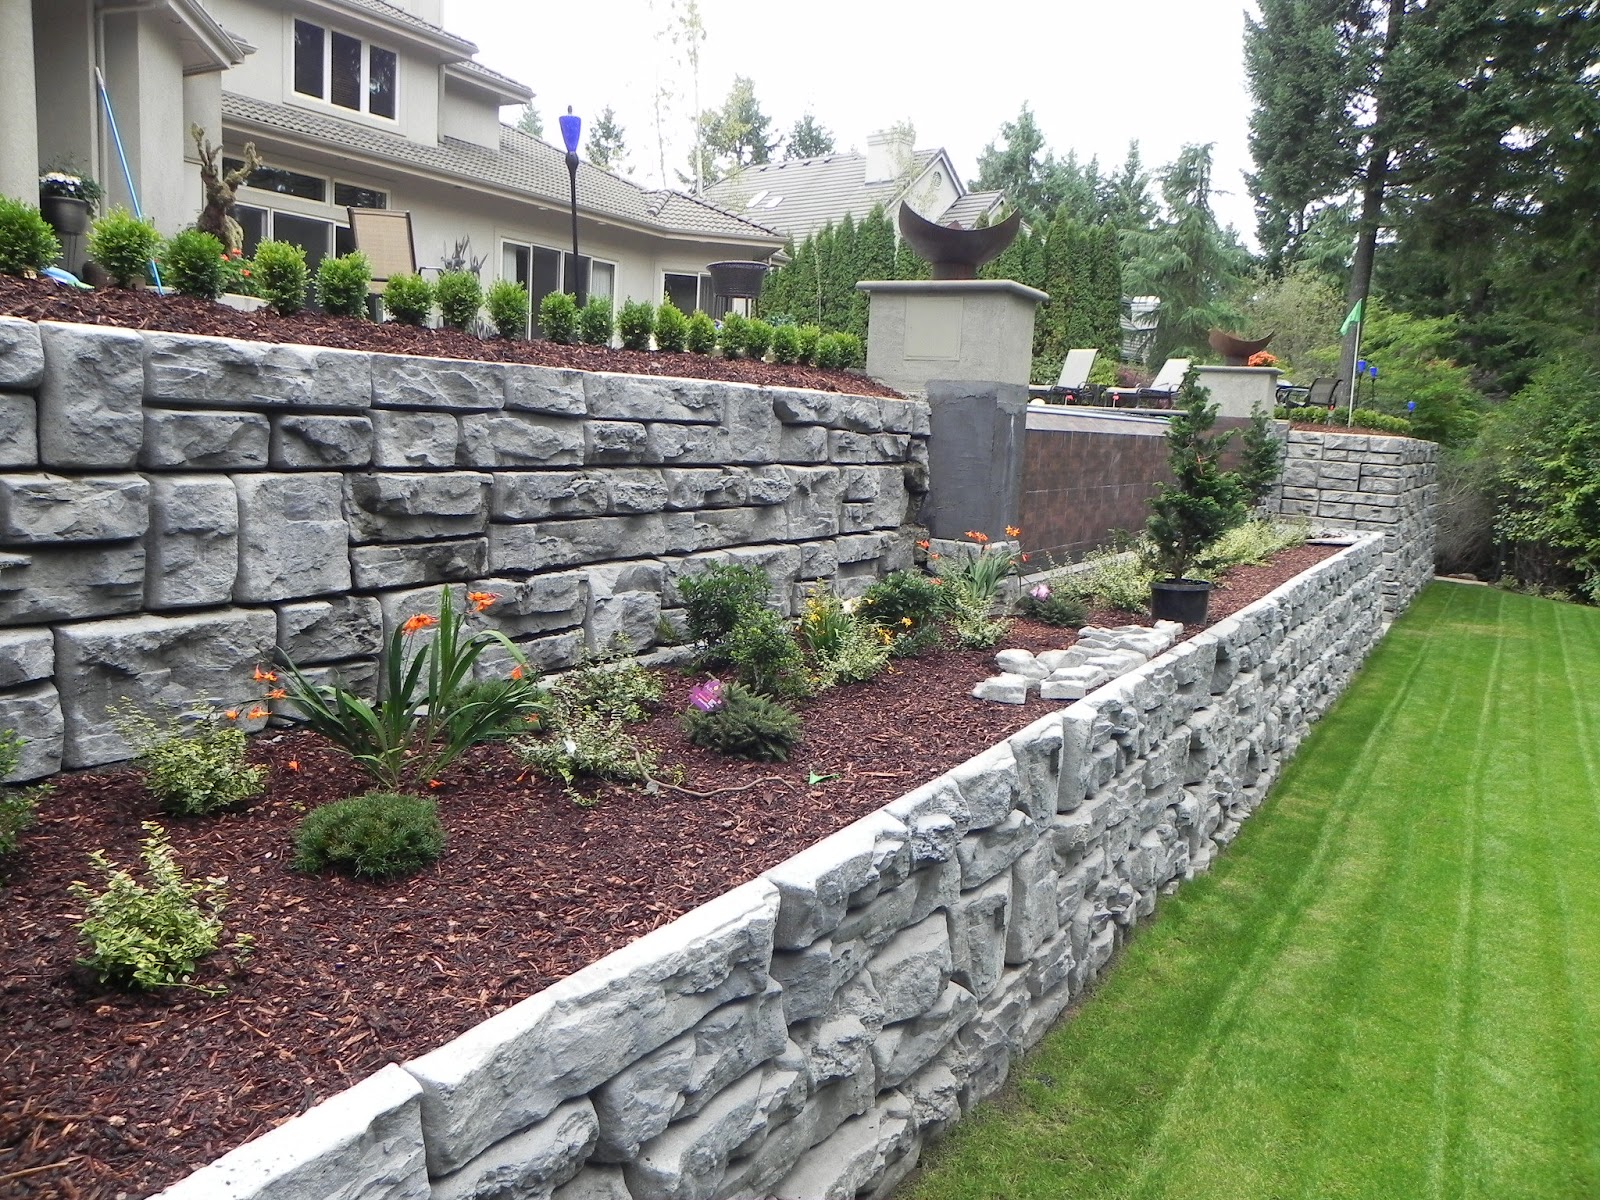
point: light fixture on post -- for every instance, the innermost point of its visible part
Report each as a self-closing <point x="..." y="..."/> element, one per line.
<point x="571" y="126"/>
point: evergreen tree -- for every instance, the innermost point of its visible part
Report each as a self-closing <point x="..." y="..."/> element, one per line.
<point x="808" y="139"/>
<point x="733" y="136"/>
<point x="530" y="122"/>
<point x="604" y="147"/>
<point x="1128" y="204"/>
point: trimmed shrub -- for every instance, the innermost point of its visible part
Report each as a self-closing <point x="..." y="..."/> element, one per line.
<point x="507" y="303"/>
<point x="27" y="243"/>
<point x="907" y="605"/>
<point x="378" y="835"/>
<point x="786" y="344"/>
<point x="123" y="245"/>
<point x="635" y="323"/>
<point x="716" y="598"/>
<point x="558" y="318"/>
<point x="757" y="339"/>
<point x="193" y="263"/>
<point x="672" y="328"/>
<point x="701" y="335"/>
<point x="833" y="352"/>
<point x="733" y="335"/>
<point x="460" y="296"/>
<point x="763" y="649"/>
<point x="344" y="283"/>
<point x="408" y="299"/>
<point x="1053" y="608"/>
<point x="280" y="276"/>
<point x="810" y="338"/>
<point x="594" y="322"/>
<point x="744" y="725"/>
<point x="17" y="805"/>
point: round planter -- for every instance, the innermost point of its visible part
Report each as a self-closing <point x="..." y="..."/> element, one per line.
<point x="1182" y="600"/>
<point x="737" y="278"/>
<point x="67" y="215"/>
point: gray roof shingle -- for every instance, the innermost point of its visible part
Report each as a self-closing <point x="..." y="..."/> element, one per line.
<point x="399" y="16"/>
<point x="809" y="192"/>
<point x="969" y="208"/>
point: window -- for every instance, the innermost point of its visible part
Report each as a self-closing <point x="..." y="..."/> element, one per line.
<point x="344" y="70"/>
<point x="542" y="271"/>
<point x="602" y="280"/>
<point x="285" y="183"/>
<point x="348" y="195"/>
<point x="691" y="292"/>
<point x="312" y="235"/>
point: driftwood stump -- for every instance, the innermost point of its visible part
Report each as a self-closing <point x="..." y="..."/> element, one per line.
<point x="222" y="189"/>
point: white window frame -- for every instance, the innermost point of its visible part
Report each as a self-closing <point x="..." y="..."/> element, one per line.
<point x="324" y="102"/>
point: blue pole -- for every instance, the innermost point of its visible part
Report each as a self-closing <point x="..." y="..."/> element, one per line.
<point x="127" y="175"/>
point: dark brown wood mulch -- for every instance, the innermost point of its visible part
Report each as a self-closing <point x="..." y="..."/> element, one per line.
<point x="46" y="300"/>
<point x="106" y="1095"/>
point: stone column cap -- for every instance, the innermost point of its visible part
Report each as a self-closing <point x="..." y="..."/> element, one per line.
<point x="953" y="287"/>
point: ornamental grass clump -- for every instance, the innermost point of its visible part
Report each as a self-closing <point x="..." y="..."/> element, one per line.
<point x="408" y="298"/>
<point x="280" y="275"/>
<point x="124" y="245"/>
<point x="378" y="835"/>
<point x="459" y="296"/>
<point x="971" y="588"/>
<point x="737" y="722"/>
<point x="672" y="328"/>
<point x="558" y="318"/>
<point x="194" y="264"/>
<point x="594" y="322"/>
<point x="635" y="323"/>
<point x="507" y="303"/>
<point x="194" y="763"/>
<point x="27" y="243"/>
<point x="344" y="283"/>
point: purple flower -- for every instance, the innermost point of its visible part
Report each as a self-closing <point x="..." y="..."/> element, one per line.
<point x="707" y="696"/>
<point x="1040" y="592"/>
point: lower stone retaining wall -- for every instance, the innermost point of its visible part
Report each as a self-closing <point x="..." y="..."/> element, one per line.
<point x="803" y="1035"/>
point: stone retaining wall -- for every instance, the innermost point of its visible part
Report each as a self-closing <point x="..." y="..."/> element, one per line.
<point x="1385" y="484"/>
<point x="804" y="1034"/>
<point x="171" y="507"/>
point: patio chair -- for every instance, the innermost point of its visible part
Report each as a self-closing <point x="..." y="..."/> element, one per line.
<point x="384" y="235"/>
<point x="1166" y="383"/>
<point x="1324" y="391"/>
<point x="1074" y="380"/>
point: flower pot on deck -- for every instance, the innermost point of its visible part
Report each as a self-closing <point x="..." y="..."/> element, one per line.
<point x="1182" y="600"/>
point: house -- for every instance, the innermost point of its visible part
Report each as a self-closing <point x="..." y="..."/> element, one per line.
<point x="352" y="103"/>
<point x="798" y="197"/>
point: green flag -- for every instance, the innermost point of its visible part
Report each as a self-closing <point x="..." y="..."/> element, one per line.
<point x="1352" y="320"/>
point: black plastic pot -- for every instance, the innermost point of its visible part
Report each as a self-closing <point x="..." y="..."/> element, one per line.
<point x="737" y="278"/>
<point x="1183" y="600"/>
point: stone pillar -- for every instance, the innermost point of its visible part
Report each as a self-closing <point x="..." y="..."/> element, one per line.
<point x="1236" y="391"/>
<point x="19" y="133"/>
<point x="974" y="456"/>
<point x="979" y="330"/>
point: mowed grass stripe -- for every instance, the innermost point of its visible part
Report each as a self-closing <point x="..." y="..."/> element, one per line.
<point x="1382" y="990"/>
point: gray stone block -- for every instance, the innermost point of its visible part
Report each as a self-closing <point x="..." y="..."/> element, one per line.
<point x="548" y="390"/>
<point x="414" y="439"/>
<point x="753" y="428"/>
<point x="803" y="444"/>
<point x="537" y="605"/>
<point x="229" y="373"/>
<point x="624" y="605"/>
<point x="910" y="972"/>
<point x="516" y="440"/>
<point x="692" y="445"/>
<point x="595" y="1182"/>
<point x="192" y="552"/>
<point x="200" y="440"/>
<point x="56" y="583"/>
<point x="293" y="540"/>
<point x="714" y="487"/>
<point x="315" y="441"/>
<point x="568" y="543"/>
<point x="638" y="490"/>
<point x="388" y="508"/>
<point x="904" y="1049"/>
<point x="407" y="381"/>
<point x="90" y="398"/>
<point x="403" y="564"/>
<point x="653" y="398"/>
<point x="613" y="441"/>
<point x="521" y="1064"/>
<point x="364" y="1141"/>
<point x="19" y="430"/>
<point x="21" y="354"/>
<point x="157" y="663"/>
<point x="34" y="713"/>
<point x="320" y="631"/>
<point x="26" y="655"/>
<point x="50" y="509"/>
<point x="1033" y="917"/>
<point x="816" y="884"/>
<point x="536" y="495"/>
<point x="530" y="1164"/>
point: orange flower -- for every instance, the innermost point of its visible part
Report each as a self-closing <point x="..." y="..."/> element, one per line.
<point x="932" y="557"/>
<point x="532" y="718"/>
<point x="276" y="694"/>
<point x="264" y="676"/>
<point x="1013" y="531"/>
<point x="257" y="711"/>
<point x="246" y="274"/>
<point x="980" y="538"/>
<point x="923" y="544"/>
<point x="420" y="621"/>
<point x="516" y="672"/>
<point x="294" y="764"/>
<point x="433" y="783"/>
<point x="1024" y="558"/>
<point x="232" y="714"/>
<point x="482" y="600"/>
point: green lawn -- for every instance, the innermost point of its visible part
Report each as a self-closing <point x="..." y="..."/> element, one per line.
<point x="1388" y="988"/>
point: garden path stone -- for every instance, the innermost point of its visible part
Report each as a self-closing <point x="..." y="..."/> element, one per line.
<point x="1004" y="689"/>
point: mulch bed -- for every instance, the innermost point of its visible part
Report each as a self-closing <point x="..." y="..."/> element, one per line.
<point x="106" y="1095"/>
<point x="45" y="300"/>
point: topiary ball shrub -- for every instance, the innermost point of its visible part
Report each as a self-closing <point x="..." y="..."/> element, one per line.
<point x="27" y="243"/>
<point x="123" y="246"/>
<point x="672" y="328"/>
<point x="734" y="334"/>
<point x="757" y="339"/>
<point x="635" y="323"/>
<point x="507" y="303"/>
<point x="408" y="298"/>
<point x="460" y="296"/>
<point x="558" y="318"/>
<point x="786" y="345"/>
<point x="810" y="336"/>
<point x="195" y="264"/>
<point x="744" y="725"/>
<point x="594" y="322"/>
<point x="280" y="276"/>
<point x="701" y="335"/>
<point x="379" y="835"/>
<point x="833" y="352"/>
<point x="344" y="283"/>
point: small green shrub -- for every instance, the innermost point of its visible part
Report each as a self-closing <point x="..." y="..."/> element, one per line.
<point x="585" y="743"/>
<point x="408" y="298"/>
<point x="123" y="245"/>
<point x="1262" y="454"/>
<point x="27" y="243"/>
<point x="238" y="274"/>
<point x="855" y="350"/>
<point x="1042" y="603"/>
<point x="149" y="936"/>
<point x="906" y="604"/>
<point x="1255" y="541"/>
<point x="280" y="276"/>
<point x="844" y="648"/>
<point x="744" y="725"/>
<point x="762" y="648"/>
<point x="757" y="339"/>
<point x="192" y="767"/>
<point x="1113" y="578"/>
<point x="459" y="296"/>
<point x="507" y="303"/>
<point x="672" y="328"/>
<point x="734" y="334"/>
<point x="622" y="691"/>
<point x="17" y="805"/>
<point x="594" y="322"/>
<point x="810" y="338"/>
<point x="1364" y="418"/>
<point x="635" y="323"/>
<point x="378" y="835"/>
<point x="786" y="344"/>
<point x="833" y="353"/>
<point x="716" y="598"/>
<point x="344" y="283"/>
<point x="700" y="337"/>
<point x="193" y="263"/>
<point x="558" y="318"/>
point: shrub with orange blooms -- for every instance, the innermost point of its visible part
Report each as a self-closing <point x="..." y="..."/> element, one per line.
<point x="1261" y="359"/>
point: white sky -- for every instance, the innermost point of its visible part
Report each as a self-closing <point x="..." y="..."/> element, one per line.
<point x="1095" y="72"/>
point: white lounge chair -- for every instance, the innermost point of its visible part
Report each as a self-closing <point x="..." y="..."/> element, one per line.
<point x="1168" y="380"/>
<point x="1075" y="370"/>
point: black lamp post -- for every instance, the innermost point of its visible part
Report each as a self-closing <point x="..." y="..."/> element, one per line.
<point x="571" y="126"/>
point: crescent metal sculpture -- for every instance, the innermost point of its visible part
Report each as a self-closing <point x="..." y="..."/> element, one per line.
<point x="956" y="253"/>
<point x="1236" y="351"/>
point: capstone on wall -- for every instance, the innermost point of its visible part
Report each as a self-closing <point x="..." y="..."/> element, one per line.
<point x="173" y="507"/>
<point x="802" y="1036"/>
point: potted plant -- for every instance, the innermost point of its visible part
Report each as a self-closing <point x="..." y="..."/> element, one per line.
<point x="1188" y="515"/>
<point x="67" y="200"/>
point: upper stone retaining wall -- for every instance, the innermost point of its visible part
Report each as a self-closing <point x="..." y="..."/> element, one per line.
<point x="172" y="507"/>
<point x="801" y="1036"/>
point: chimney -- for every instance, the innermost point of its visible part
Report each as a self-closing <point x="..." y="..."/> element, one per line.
<point x="889" y="153"/>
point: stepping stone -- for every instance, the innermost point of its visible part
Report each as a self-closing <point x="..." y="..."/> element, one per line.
<point x="1005" y="689"/>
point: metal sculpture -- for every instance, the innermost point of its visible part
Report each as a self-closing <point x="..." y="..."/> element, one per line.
<point x="953" y="252"/>
<point x="1236" y="351"/>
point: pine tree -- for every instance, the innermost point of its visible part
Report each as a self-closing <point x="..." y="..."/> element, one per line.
<point x="604" y="147"/>
<point x="530" y="122"/>
<point x="808" y="139"/>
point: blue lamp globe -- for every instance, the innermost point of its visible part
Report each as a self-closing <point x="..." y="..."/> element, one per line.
<point x="1372" y="370"/>
<point x="571" y="127"/>
<point x="1361" y="365"/>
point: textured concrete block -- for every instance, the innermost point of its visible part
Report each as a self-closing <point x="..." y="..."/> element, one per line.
<point x="403" y="564"/>
<point x="536" y="495"/>
<point x="315" y="441"/>
<point x="691" y="445"/>
<point x="654" y="398"/>
<point x="21" y="354"/>
<point x="192" y="552"/>
<point x="406" y="381"/>
<point x="624" y="605"/>
<point x="34" y="713"/>
<point x="517" y="440"/>
<point x="537" y="605"/>
<point x="568" y="543"/>
<point x="613" y="441"/>
<point x="201" y="440"/>
<point x="548" y="390"/>
<point x="528" y="1164"/>
<point x="415" y="439"/>
<point x="19" y="430"/>
<point x="54" y="583"/>
<point x="816" y="884"/>
<point x="25" y="656"/>
<point x="90" y="398"/>
<point x="50" y="509"/>
<point x="229" y="373"/>
<point x="319" y="631"/>
<point x="389" y="508"/>
<point x="293" y="540"/>
<point x="639" y="490"/>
